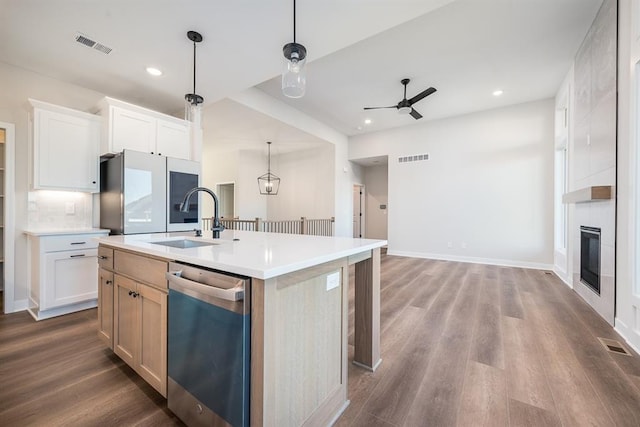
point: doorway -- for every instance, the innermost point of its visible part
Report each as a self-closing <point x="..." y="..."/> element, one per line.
<point x="358" y="210"/>
<point x="226" y="195"/>
<point x="7" y="189"/>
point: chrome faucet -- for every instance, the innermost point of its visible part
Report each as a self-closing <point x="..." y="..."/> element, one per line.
<point x="216" y="227"/>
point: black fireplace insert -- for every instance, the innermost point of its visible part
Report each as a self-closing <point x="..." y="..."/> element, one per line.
<point x="590" y="257"/>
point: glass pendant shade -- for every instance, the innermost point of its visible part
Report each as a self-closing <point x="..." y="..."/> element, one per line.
<point x="294" y="79"/>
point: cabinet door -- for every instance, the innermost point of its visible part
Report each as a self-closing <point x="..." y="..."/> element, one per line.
<point x="65" y="151"/>
<point x="125" y="321"/>
<point x="152" y="317"/>
<point x="132" y="130"/>
<point x="69" y="277"/>
<point x="172" y="139"/>
<point x="105" y="306"/>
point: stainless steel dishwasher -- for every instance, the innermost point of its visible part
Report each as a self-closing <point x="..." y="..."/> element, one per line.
<point x="208" y="346"/>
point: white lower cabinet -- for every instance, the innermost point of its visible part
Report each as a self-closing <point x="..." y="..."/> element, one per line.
<point x="63" y="273"/>
<point x="71" y="277"/>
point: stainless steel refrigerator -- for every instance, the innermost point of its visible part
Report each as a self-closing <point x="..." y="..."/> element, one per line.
<point x="139" y="193"/>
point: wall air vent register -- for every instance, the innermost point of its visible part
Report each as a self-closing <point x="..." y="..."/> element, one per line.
<point x="413" y="158"/>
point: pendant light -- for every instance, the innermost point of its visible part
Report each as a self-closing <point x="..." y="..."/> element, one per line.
<point x="294" y="78"/>
<point x="193" y="100"/>
<point x="268" y="183"/>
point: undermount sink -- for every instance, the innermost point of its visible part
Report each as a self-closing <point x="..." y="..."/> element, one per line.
<point x="184" y="243"/>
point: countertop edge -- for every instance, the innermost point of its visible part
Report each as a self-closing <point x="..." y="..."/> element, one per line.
<point x="59" y="232"/>
<point x="250" y="272"/>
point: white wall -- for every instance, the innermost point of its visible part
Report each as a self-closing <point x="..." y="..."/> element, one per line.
<point x="627" y="320"/>
<point x="376" y="194"/>
<point x="487" y="189"/>
<point x="344" y="175"/>
<point x="216" y="168"/>
<point x="17" y="86"/>
<point x="306" y="184"/>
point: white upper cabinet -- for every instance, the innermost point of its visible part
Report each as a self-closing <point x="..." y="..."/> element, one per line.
<point x="131" y="130"/>
<point x="172" y="139"/>
<point x="65" y="148"/>
<point x="127" y="126"/>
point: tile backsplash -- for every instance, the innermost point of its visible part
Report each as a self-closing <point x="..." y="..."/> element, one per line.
<point x="59" y="210"/>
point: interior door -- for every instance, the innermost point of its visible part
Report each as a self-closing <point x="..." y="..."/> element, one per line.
<point x="358" y="210"/>
<point x="226" y="194"/>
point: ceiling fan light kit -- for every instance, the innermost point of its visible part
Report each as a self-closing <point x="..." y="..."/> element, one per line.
<point x="405" y="106"/>
<point x="294" y="79"/>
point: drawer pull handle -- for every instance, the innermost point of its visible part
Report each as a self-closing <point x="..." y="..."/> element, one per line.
<point x="130" y="293"/>
<point x="103" y="257"/>
<point x="135" y="294"/>
<point x="109" y="282"/>
<point x="78" y="243"/>
<point x="76" y="256"/>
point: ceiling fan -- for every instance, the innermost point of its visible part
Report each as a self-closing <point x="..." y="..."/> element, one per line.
<point x="406" y="105"/>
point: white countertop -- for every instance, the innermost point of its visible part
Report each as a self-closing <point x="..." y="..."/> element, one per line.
<point x="254" y="254"/>
<point x="65" y="232"/>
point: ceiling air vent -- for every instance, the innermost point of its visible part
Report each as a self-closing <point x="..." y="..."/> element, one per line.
<point x="84" y="40"/>
<point x="413" y="158"/>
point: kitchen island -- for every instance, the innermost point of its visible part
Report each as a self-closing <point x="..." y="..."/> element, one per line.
<point x="298" y="302"/>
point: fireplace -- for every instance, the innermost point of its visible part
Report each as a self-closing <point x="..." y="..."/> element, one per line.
<point x="590" y="257"/>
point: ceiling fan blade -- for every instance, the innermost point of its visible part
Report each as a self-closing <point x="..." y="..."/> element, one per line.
<point x="421" y="95"/>
<point x="377" y="108"/>
<point x="415" y="114"/>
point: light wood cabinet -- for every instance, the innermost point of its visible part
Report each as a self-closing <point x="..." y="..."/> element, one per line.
<point x="65" y="148"/>
<point x="105" y="306"/>
<point x="127" y="126"/>
<point x="138" y="311"/>
<point x="140" y="330"/>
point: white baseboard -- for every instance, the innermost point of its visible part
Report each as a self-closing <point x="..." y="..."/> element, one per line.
<point x="631" y="338"/>
<point x="562" y="275"/>
<point x="59" y="311"/>
<point x="488" y="261"/>
<point x="19" y="305"/>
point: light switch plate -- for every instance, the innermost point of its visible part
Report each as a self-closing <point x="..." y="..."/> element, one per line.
<point x="333" y="280"/>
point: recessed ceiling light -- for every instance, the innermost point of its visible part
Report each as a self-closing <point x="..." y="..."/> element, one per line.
<point x="367" y="121"/>
<point x="154" y="71"/>
<point x="497" y="92"/>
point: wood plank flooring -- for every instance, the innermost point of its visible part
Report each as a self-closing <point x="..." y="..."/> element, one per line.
<point x="462" y="345"/>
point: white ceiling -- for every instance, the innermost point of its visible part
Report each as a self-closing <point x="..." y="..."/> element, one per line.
<point x="232" y="126"/>
<point x="466" y="50"/>
<point x="358" y="52"/>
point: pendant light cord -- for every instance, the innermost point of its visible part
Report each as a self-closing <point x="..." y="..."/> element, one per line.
<point x="194" y="67"/>
<point x="294" y="21"/>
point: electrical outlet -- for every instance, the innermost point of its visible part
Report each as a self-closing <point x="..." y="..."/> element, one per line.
<point x="70" y="208"/>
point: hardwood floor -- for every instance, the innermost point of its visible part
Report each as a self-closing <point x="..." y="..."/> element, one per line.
<point x="471" y="345"/>
<point x="462" y="345"/>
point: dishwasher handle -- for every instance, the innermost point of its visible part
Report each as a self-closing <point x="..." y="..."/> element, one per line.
<point x="197" y="289"/>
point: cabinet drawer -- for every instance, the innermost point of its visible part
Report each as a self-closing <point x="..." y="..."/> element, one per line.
<point x="144" y="269"/>
<point x="67" y="243"/>
<point x="105" y="257"/>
